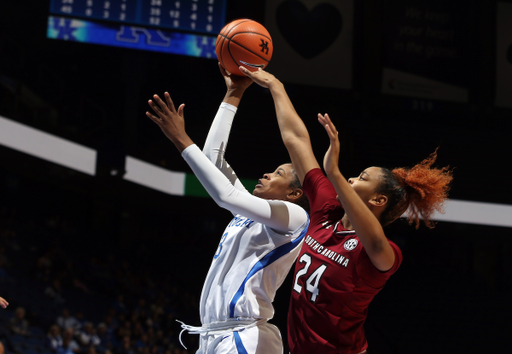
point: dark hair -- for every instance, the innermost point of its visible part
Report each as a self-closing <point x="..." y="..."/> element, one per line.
<point x="303" y="201"/>
<point x="421" y="190"/>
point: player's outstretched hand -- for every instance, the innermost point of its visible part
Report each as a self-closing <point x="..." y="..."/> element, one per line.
<point x="3" y="302"/>
<point x="170" y="120"/>
<point x="333" y="153"/>
<point x="260" y="76"/>
<point x="235" y="82"/>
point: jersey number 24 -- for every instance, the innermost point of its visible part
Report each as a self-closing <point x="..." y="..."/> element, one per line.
<point x="313" y="280"/>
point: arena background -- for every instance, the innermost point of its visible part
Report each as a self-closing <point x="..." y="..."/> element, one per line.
<point x="101" y="236"/>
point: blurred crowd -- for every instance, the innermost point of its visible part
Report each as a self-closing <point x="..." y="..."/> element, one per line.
<point x="69" y="300"/>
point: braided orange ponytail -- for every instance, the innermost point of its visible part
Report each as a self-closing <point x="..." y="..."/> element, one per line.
<point x="421" y="190"/>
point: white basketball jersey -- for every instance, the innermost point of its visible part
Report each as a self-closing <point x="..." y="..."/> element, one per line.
<point x="250" y="264"/>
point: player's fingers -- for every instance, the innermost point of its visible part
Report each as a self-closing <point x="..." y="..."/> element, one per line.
<point x="222" y="70"/>
<point x="322" y="120"/>
<point x="168" y="100"/>
<point x="181" y="108"/>
<point x="155" y="107"/>
<point x="170" y="104"/>
<point x="162" y="105"/>
<point x="331" y="124"/>
<point x="324" y="124"/>
<point x="329" y="128"/>
<point x="327" y="118"/>
<point x="330" y="132"/>
<point x="246" y="71"/>
<point x="154" y="118"/>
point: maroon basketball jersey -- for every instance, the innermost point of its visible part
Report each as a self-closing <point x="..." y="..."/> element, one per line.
<point x="334" y="280"/>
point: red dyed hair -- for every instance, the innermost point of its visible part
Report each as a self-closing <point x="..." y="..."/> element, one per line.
<point x="421" y="190"/>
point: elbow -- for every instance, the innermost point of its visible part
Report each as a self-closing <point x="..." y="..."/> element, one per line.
<point x="214" y="155"/>
<point x="208" y="153"/>
<point x="226" y="200"/>
<point x="222" y="203"/>
<point x="291" y="140"/>
<point x="377" y="246"/>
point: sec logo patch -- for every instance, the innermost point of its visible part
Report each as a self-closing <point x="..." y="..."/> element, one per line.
<point x="350" y="244"/>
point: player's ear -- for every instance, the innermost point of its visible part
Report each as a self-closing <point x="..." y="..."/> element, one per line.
<point x="295" y="194"/>
<point x="379" y="200"/>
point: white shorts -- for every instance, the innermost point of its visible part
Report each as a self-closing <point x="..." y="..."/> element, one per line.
<point x="262" y="339"/>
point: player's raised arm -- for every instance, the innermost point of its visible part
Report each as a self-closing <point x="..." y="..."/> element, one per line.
<point x="235" y="85"/>
<point x="283" y="217"/>
<point x="293" y="131"/>
<point x="170" y="121"/>
<point x="361" y="212"/>
<point x="218" y="135"/>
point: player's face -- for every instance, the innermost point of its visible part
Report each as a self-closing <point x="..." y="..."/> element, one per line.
<point x="366" y="183"/>
<point x="275" y="185"/>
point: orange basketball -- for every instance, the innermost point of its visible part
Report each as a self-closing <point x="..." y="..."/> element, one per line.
<point x="244" y="43"/>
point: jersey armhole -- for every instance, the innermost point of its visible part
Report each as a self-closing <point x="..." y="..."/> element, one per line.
<point x="394" y="263"/>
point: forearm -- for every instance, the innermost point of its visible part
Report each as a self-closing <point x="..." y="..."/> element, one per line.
<point x="218" y="135"/>
<point x="215" y="183"/>
<point x="217" y="140"/>
<point x="181" y="142"/>
<point x="368" y="228"/>
<point x="234" y="96"/>
<point x="293" y="132"/>
<point x="364" y="222"/>
<point x="290" y="123"/>
<point x="283" y="217"/>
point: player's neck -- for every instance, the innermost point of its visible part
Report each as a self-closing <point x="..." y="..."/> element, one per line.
<point x="346" y="223"/>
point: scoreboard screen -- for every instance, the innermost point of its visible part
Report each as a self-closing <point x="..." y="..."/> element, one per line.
<point x="187" y="27"/>
<point x="203" y="16"/>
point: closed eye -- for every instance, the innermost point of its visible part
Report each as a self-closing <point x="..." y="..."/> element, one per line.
<point x="362" y="176"/>
<point x="279" y="172"/>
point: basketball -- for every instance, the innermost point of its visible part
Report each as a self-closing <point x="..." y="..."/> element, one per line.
<point x="243" y="43"/>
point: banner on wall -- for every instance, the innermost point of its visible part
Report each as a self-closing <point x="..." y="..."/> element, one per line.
<point x="426" y="49"/>
<point x="312" y="41"/>
<point x="504" y="55"/>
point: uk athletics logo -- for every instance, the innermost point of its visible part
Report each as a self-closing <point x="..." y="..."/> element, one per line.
<point x="350" y="244"/>
<point x="264" y="46"/>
